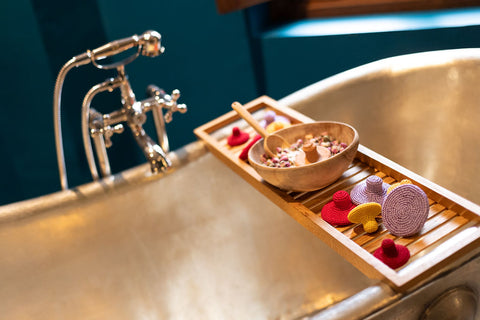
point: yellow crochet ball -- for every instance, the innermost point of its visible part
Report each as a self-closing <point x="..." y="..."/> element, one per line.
<point x="393" y="186"/>
<point x="277" y="125"/>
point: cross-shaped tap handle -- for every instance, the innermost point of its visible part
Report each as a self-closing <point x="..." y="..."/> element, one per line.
<point x="172" y="106"/>
<point x="107" y="133"/>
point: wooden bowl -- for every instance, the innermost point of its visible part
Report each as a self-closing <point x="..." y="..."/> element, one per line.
<point x="311" y="176"/>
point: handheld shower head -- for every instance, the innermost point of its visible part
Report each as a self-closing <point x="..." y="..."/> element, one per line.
<point x="150" y="41"/>
<point x="148" y="44"/>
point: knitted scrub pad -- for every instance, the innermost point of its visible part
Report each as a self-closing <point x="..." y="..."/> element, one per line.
<point x="393" y="255"/>
<point x="336" y="211"/>
<point x="373" y="189"/>
<point x="405" y="210"/>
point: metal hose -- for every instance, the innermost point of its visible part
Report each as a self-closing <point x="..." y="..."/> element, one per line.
<point x="57" y="97"/>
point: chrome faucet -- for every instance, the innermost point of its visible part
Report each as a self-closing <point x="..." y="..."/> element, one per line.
<point x="101" y="127"/>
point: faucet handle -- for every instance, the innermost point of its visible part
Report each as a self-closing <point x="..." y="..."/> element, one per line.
<point x="107" y="133"/>
<point x="173" y="106"/>
<point x="166" y="101"/>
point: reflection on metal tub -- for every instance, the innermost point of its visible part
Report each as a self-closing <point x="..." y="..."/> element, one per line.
<point x="195" y="243"/>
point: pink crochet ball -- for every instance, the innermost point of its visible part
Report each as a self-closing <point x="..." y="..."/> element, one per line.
<point x="237" y="137"/>
<point x="405" y="210"/>
<point x="373" y="189"/>
<point x="336" y="211"/>
<point x="393" y="255"/>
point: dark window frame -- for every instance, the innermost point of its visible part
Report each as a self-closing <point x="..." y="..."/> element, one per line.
<point x="296" y="9"/>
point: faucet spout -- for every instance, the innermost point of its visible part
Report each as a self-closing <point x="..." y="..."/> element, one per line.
<point x="154" y="154"/>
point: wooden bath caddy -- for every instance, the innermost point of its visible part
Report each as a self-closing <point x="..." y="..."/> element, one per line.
<point x="451" y="231"/>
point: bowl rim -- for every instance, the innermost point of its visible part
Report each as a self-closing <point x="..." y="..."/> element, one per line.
<point x="353" y="144"/>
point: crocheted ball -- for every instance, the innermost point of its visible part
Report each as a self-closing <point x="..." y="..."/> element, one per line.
<point x="366" y="214"/>
<point x="393" y="255"/>
<point x="373" y="189"/>
<point x="336" y="211"/>
<point x="270" y="116"/>
<point x="237" y="137"/>
<point x="276" y="125"/>
<point x="405" y="210"/>
<point x="244" y="154"/>
<point x="396" y="184"/>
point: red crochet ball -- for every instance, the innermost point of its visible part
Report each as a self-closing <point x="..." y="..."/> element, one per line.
<point x="393" y="255"/>
<point x="336" y="211"/>
<point x="244" y="154"/>
<point x="237" y="137"/>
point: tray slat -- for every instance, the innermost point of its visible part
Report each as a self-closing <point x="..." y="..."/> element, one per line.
<point x="450" y="216"/>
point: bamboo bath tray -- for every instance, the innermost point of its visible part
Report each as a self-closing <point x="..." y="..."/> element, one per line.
<point x="452" y="228"/>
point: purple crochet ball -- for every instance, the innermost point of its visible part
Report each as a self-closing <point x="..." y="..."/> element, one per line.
<point x="268" y="118"/>
<point x="373" y="189"/>
<point x="405" y="210"/>
<point x="282" y="119"/>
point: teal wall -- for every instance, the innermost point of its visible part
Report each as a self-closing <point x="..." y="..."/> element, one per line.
<point x="299" y="53"/>
<point x="292" y="63"/>
<point x="26" y="136"/>
<point x="212" y="59"/>
<point x="207" y="57"/>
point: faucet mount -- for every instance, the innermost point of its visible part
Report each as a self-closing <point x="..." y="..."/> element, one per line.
<point x="101" y="127"/>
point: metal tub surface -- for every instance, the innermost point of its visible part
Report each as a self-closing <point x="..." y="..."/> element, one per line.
<point x="197" y="243"/>
<point x="200" y="243"/>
